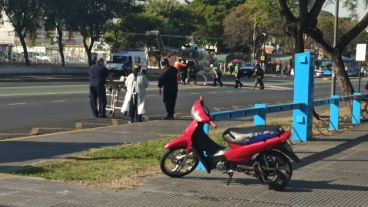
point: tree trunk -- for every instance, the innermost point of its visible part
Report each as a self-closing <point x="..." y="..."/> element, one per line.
<point x="338" y="65"/>
<point x="299" y="38"/>
<point x="60" y="43"/>
<point x="341" y="75"/>
<point x="25" y="51"/>
<point x="88" y="50"/>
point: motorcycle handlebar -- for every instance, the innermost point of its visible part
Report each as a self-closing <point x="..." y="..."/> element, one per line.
<point x="213" y="124"/>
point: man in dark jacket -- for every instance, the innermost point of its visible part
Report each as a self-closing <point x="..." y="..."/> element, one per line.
<point x="258" y="74"/>
<point x="169" y="82"/>
<point x="97" y="91"/>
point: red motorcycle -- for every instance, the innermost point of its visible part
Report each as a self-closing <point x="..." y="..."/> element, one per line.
<point x="261" y="151"/>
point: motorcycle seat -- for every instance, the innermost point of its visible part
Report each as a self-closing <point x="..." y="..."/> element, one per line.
<point x="249" y="135"/>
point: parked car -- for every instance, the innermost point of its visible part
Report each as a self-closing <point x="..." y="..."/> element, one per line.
<point x="318" y="73"/>
<point x="327" y="71"/>
<point x="353" y="71"/>
<point x="323" y="71"/>
<point x="247" y="69"/>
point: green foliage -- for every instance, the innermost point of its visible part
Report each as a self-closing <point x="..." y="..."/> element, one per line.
<point x="91" y="18"/>
<point x="212" y="14"/>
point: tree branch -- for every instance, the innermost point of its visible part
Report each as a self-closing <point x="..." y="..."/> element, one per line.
<point x="317" y="36"/>
<point x="303" y="9"/>
<point x="313" y="14"/>
<point x="285" y="11"/>
<point x="355" y="31"/>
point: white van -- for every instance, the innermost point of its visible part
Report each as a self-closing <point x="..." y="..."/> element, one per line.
<point x="122" y="62"/>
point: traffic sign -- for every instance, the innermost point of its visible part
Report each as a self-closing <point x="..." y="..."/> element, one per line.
<point x="360" y="52"/>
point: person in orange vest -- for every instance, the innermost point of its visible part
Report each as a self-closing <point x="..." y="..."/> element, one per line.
<point x="179" y="65"/>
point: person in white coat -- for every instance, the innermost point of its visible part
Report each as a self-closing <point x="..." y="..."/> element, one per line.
<point x="136" y="85"/>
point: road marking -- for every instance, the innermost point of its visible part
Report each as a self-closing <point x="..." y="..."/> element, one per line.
<point x="194" y="93"/>
<point x="216" y="109"/>
<point x="58" y="101"/>
<point x="151" y="95"/>
<point x="13" y="104"/>
<point x="213" y="92"/>
<point x="277" y="88"/>
<point x="34" y="131"/>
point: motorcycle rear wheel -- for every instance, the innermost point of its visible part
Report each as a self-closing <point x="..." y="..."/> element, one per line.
<point x="275" y="170"/>
<point x="177" y="163"/>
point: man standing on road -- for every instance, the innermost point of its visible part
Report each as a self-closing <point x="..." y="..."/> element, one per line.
<point x="258" y="74"/>
<point x="216" y="74"/>
<point x="97" y="91"/>
<point x="237" y="74"/>
<point x="169" y="82"/>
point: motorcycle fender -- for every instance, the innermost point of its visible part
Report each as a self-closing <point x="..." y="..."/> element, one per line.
<point x="179" y="142"/>
<point x="288" y="151"/>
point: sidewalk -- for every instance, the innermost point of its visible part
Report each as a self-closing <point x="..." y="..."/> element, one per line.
<point x="333" y="172"/>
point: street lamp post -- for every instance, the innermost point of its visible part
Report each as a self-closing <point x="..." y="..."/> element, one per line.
<point x="264" y="51"/>
<point x="333" y="82"/>
<point x="254" y="42"/>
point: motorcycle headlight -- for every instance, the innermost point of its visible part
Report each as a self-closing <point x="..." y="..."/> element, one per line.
<point x="195" y="115"/>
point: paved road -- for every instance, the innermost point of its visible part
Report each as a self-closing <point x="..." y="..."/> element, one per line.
<point x="51" y="105"/>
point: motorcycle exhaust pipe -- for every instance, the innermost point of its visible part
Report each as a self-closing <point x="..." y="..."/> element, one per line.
<point x="246" y="167"/>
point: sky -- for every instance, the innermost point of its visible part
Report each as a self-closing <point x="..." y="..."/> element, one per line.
<point x="344" y="13"/>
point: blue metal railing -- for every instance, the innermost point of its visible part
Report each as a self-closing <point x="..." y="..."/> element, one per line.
<point x="260" y="110"/>
<point x="239" y="113"/>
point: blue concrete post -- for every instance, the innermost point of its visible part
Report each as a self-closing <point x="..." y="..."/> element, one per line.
<point x="356" y="110"/>
<point x="260" y="118"/>
<point x="303" y="94"/>
<point x="334" y="113"/>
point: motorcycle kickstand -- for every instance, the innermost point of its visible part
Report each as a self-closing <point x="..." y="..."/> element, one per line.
<point x="230" y="174"/>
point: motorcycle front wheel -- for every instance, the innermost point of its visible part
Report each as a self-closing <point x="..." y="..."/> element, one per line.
<point x="177" y="163"/>
<point x="274" y="169"/>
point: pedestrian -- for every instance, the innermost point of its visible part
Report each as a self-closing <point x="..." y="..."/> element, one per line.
<point x="216" y="74"/>
<point x="179" y="64"/>
<point x="192" y="72"/>
<point x="231" y="67"/>
<point x="237" y="75"/>
<point x="278" y="70"/>
<point x="222" y="66"/>
<point x="184" y="72"/>
<point x="97" y="90"/>
<point x="258" y="74"/>
<point x="168" y="82"/>
<point x="136" y="84"/>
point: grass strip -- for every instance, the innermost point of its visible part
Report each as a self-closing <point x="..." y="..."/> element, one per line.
<point x="122" y="166"/>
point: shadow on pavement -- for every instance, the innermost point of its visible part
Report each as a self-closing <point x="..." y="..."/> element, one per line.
<point x="23" y="151"/>
<point x="309" y="186"/>
<point x="332" y="151"/>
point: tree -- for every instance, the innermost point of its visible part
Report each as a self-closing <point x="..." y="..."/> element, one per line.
<point x="306" y="23"/>
<point x="253" y="18"/>
<point x="130" y="31"/>
<point x="175" y="21"/>
<point x="211" y="14"/>
<point x="55" y="13"/>
<point x="23" y="16"/>
<point x="91" y="18"/>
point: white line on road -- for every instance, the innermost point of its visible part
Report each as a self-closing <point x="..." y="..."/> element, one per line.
<point x="58" y="101"/>
<point x="213" y="92"/>
<point x="194" y="93"/>
<point x="151" y="95"/>
<point x="13" y="104"/>
<point x="229" y="91"/>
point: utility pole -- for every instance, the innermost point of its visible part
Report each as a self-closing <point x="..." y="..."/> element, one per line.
<point x="254" y="42"/>
<point x="336" y="26"/>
